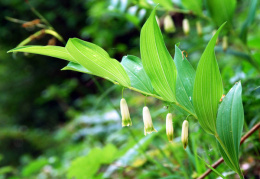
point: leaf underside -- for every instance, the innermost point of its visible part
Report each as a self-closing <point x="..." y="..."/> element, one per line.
<point x="97" y="60"/>
<point x="208" y="87"/>
<point x="230" y="122"/>
<point x="139" y="79"/>
<point x="185" y="80"/>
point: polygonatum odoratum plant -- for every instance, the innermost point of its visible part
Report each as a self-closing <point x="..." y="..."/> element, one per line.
<point x="172" y="80"/>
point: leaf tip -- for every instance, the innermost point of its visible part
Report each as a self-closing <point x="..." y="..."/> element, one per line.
<point x="177" y="44"/>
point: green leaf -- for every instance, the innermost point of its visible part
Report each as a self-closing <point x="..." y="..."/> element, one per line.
<point x="97" y="60"/>
<point x="34" y="167"/>
<point x="79" y="68"/>
<point x="230" y="122"/>
<point x="249" y="20"/>
<point x="139" y="79"/>
<point x="52" y="51"/>
<point x="185" y="80"/>
<point x="221" y="10"/>
<point x="208" y="87"/>
<point x="167" y="4"/>
<point x="76" y="67"/>
<point x="194" y="5"/>
<point x="87" y="166"/>
<point x="157" y="61"/>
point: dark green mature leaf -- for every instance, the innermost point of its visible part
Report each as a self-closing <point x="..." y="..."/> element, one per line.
<point x="157" y="61"/>
<point x="249" y="20"/>
<point x="221" y="10"/>
<point x="52" y="51"/>
<point x="97" y="60"/>
<point x="208" y="87"/>
<point x="134" y="68"/>
<point x="230" y="122"/>
<point x="185" y="80"/>
<point x="194" y="5"/>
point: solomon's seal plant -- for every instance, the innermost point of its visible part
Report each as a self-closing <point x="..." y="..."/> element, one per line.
<point x="174" y="81"/>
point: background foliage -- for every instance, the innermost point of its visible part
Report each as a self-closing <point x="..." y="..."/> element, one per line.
<point x="57" y="124"/>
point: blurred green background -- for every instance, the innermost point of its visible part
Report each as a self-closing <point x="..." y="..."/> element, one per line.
<point x="64" y="124"/>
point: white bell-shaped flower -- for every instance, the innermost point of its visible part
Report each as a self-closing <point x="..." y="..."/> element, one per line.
<point x="185" y="133"/>
<point x="225" y="43"/>
<point x="169" y="24"/>
<point x="126" y="120"/>
<point x="199" y="28"/>
<point x="169" y="127"/>
<point x="148" y="123"/>
<point x="186" y="26"/>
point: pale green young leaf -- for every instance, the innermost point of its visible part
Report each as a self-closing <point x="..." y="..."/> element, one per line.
<point x="97" y="60"/>
<point x="208" y="87"/>
<point x="221" y="10"/>
<point x="157" y="61"/>
<point x="230" y="122"/>
<point x="76" y="67"/>
<point x="79" y="68"/>
<point x="134" y="68"/>
<point x="52" y="51"/>
<point x="185" y="80"/>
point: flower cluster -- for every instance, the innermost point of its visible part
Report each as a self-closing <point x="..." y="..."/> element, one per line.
<point x="148" y="123"/>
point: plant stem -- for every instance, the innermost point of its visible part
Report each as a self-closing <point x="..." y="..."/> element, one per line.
<point x="160" y="98"/>
<point x="219" y="161"/>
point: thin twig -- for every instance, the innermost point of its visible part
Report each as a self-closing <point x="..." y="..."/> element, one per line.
<point x="217" y="163"/>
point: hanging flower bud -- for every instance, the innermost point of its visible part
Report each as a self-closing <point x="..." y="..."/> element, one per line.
<point x="225" y="43"/>
<point x="213" y="33"/>
<point x="199" y="28"/>
<point x="185" y="133"/>
<point x="186" y="26"/>
<point x="169" y="24"/>
<point x="148" y="123"/>
<point x="169" y="127"/>
<point x="126" y="120"/>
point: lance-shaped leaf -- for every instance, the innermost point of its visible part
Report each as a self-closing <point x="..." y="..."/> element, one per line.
<point x="139" y="79"/>
<point x="230" y="122"/>
<point x="208" y="87"/>
<point x="157" y="61"/>
<point x="52" y="51"/>
<point x="97" y="60"/>
<point x="79" y="68"/>
<point x="185" y="80"/>
<point x="76" y="67"/>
